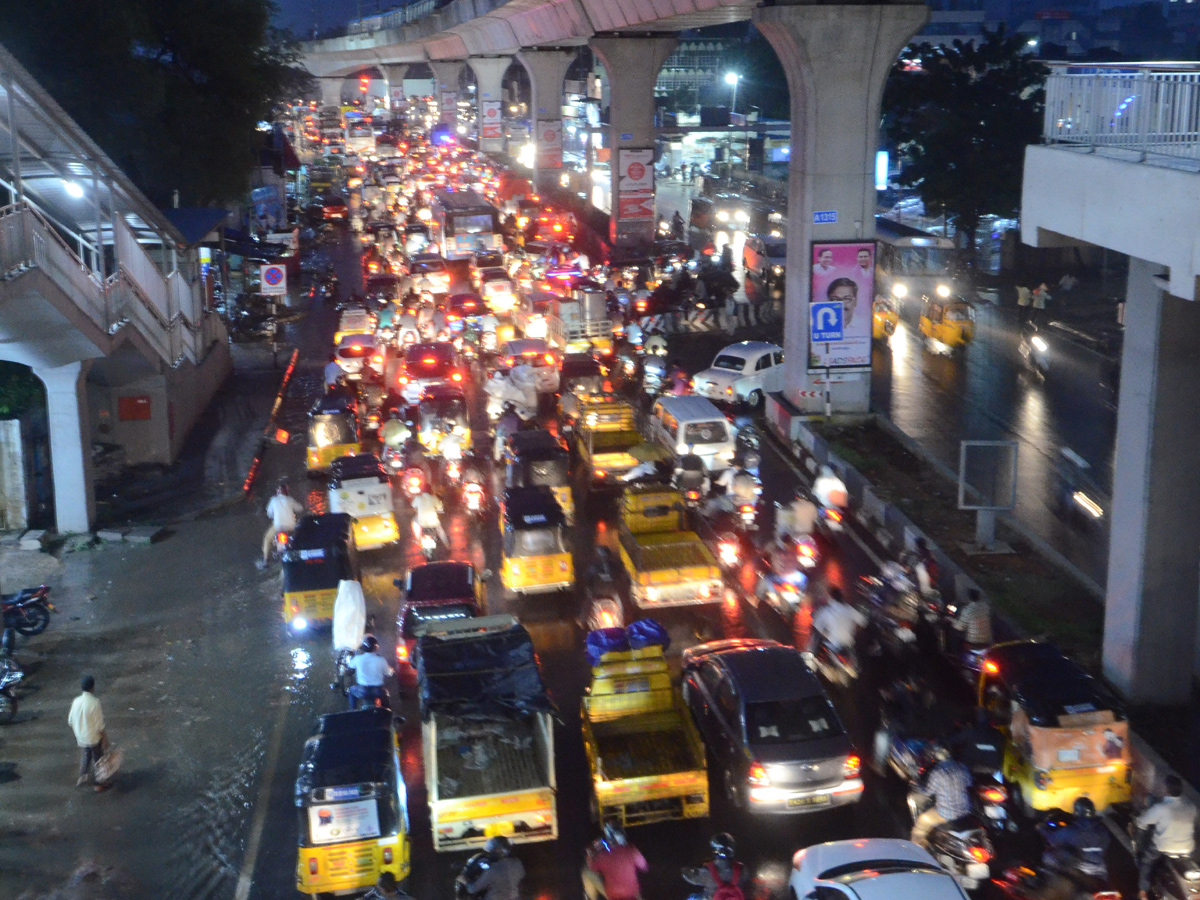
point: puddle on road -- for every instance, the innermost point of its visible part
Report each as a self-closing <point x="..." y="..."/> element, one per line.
<point x="301" y="663"/>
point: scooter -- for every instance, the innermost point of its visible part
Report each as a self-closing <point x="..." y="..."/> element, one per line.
<point x="426" y="540"/>
<point x="474" y="498"/>
<point x="1034" y="351"/>
<point x="28" y="610"/>
<point x="961" y="846"/>
<point x="414" y="483"/>
<point x="837" y="665"/>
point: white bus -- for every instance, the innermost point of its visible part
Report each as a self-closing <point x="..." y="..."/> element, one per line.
<point x="911" y="263"/>
<point x="360" y="136"/>
<point x="464" y="223"/>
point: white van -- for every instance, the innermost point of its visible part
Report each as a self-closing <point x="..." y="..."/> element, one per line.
<point x="692" y="424"/>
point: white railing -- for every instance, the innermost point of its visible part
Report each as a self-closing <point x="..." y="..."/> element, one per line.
<point x="142" y="269"/>
<point x="185" y="299"/>
<point x="1149" y="111"/>
<point x="396" y="18"/>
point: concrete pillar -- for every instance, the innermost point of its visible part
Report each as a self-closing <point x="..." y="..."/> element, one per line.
<point x="837" y="59"/>
<point x="70" y="447"/>
<point x="445" y="74"/>
<point x="395" y="75"/>
<point x="1154" y="549"/>
<point x="632" y="66"/>
<point x="331" y="91"/>
<point x="489" y="100"/>
<point x="547" y="69"/>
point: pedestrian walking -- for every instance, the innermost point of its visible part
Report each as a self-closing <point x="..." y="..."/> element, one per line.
<point x="1041" y="298"/>
<point x="86" y="719"/>
<point x="1024" y="298"/>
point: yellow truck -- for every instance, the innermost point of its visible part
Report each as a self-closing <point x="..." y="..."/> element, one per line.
<point x="604" y="429"/>
<point x="487" y="730"/>
<point x="646" y="758"/>
<point x="668" y="564"/>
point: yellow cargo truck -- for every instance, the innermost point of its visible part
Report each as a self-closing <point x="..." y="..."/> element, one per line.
<point x="487" y="728"/>
<point x="668" y="564"/>
<point x="646" y="758"/>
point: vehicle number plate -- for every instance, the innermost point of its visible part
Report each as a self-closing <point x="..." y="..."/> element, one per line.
<point x="818" y="800"/>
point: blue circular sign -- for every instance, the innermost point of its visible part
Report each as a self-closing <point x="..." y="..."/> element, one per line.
<point x="273" y="275"/>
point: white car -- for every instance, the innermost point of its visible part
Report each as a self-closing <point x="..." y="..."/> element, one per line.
<point x="870" y="869"/>
<point x="354" y="350"/>
<point x="537" y="354"/>
<point x="746" y="371"/>
<point x="765" y="258"/>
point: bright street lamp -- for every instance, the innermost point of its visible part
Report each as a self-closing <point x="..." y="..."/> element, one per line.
<point x="732" y="78"/>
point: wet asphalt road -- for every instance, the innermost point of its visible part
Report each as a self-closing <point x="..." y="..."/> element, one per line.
<point x="553" y="867"/>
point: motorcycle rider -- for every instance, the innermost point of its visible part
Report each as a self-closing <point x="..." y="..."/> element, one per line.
<point x="1168" y="828"/>
<point x="678" y="377"/>
<point x="427" y="510"/>
<point x="948" y="784"/>
<point x="502" y="879"/>
<point x="333" y="370"/>
<point x="836" y="624"/>
<point x="980" y="746"/>
<point x="370" y="670"/>
<point x="723" y="871"/>
<point x="395" y="431"/>
<point x="612" y="866"/>
<point x="386" y="888"/>
<point x="283" y="510"/>
<point x="741" y="486"/>
<point x="1080" y="845"/>
<point x="507" y="425"/>
<point x="677" y="226"/>
<point x="975" y="621"/>
<point x="828" y="490"/>
<point x="797" y="518"/>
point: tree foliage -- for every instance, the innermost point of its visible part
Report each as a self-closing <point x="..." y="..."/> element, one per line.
<point x="20" y="389"/>
<point x="172" y="90"/>
<point x="960" y="117"/>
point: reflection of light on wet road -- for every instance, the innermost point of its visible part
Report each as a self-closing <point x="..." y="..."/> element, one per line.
<point x="301" y="663"/>
<point x="1031" y="412"/>
<point x="317" y="500"/>
<point x="900" y="350"/>
<point x="770" y="878"/>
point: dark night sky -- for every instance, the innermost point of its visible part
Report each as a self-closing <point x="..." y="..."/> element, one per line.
<point x="298" y="14"/>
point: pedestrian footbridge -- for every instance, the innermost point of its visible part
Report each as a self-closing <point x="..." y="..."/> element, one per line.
<point x="100" y="296"/>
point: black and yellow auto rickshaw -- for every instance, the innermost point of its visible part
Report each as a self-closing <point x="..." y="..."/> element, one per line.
<point x="534" y="557"/>
<point x="885" y="316"/>
<point x="361" y="486"/>
<point x="320" y="553"/>
<point x="352" y="805"/>
<point x="947" y="322"/>
<point x="1068" y="736"/>
<point x="442" y="410"/>
<point x="537" y="458"/>
<point x="332" y="430"/>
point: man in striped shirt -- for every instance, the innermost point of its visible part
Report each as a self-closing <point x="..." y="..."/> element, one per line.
<point x="949" y="786"/>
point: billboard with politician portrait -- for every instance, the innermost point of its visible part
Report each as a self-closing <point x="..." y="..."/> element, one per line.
<point x="844" y="273"/>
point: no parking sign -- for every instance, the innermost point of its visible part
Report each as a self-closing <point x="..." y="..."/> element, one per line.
<point x="273" y="279"/>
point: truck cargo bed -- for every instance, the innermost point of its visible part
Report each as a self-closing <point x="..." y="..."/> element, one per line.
<point x="642" y="746"/>
<point x="477" y="758"/>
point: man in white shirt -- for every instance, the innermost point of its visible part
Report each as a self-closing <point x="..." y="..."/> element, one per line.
<point x="86" y="719"/>
<point x="837" y="622"/>
<point x="427" y="509"/>
<point x="370" y="669"/>
<point x="333" y="371"/>
<point x="1171" y="831"/>
<point x="283" y="511"/>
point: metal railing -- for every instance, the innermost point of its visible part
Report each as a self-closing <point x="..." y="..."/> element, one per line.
<point x="1151" y="111"/>
<point x="396" y="18"/>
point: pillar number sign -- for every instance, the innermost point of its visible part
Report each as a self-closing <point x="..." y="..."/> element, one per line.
<point x="273" y="279"/>
<point x="397" y="95"/>
<point x="635" y="183"/>
<point x="493" y="125"/>
<point x="448" y="110"/>
<point x="549" y="143"/>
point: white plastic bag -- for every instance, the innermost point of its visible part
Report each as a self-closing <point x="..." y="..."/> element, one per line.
<point x="349" y="616"/>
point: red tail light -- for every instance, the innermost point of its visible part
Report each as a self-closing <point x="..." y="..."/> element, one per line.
<point x="747" y="508"/>
<point x="807" y="550"/>
<point x="851" y="766"/>
<point x="834" y="515"/>
<point x="387" y="856"/>
<point x="994" y="794"/>
<point x="757" y="775"/>
<point x="312" y="866"/>
<point x="990" y="667"/>
<point x="980" y="854"/>
<point x="693" y="495"/>
<point x="549" y="359"/>
<point x="402" y="656"/>
<point x="456" y="376"/>
<point x="641" y="306"/>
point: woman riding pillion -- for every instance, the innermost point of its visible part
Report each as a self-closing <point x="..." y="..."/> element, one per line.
<point x="612" y="866"/>
<point x="722" y="878"/>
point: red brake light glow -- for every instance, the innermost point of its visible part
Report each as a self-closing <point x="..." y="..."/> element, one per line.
<point x="757" y="775"/>
<point x="980" y="854"/>
<point x="852" y="766"/>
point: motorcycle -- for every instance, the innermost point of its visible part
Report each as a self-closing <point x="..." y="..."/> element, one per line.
<point x="837" y="665"/>
<point x="729" y="552"/>
<point x="1034" y="351"/>
<point x="426" y="540"/>
<point x="414" y="483"/>
<point x="691" y="480"/>
<point x="471" y="870"/>
<point x="831" y="520"/>
<point x="28" y="610"/>
<point x="11" y="675"/>
<point x="474" y="498"/>
<point x="892" y="604"/>
<point x="961" y="846"/>
<point x="1174" y="877"/>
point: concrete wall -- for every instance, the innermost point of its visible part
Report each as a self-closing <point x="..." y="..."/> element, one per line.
<point x="1149" y="212"/>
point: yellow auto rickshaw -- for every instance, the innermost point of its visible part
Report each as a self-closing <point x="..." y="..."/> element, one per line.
<point x="534" y="557"/>
<point x="537" y="458"/>
<point x="1067" y="734"/>
<point x="947" y="322"/>
<point x="320" y="553"/>
<point x="353" y="805"/>
<point x="360" y="485"/>
<point x="332" y="430"/>
<point x="885" y="316"/>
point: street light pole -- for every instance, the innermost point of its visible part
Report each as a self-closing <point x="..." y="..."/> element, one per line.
<point x="732" y="78"/>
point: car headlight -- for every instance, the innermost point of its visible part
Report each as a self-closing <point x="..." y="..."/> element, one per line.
<point x="778" y="270"/>
<point x="943" y="290"/>
<point x="1039" y="344"/>
<point x="300" y="623"/>
<point x="722" y="216"/>
<point x="742" y="216"/>
<point x="899" y="290"/>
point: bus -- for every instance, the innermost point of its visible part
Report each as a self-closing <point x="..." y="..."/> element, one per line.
<point x="911" y="264"/>
<point x="464" y="223"/>
<point x="360" y="136"/>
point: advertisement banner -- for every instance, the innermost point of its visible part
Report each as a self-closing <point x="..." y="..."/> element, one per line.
<point x="448" y="110"/>
<point x="843" y="272"/>
<point x="635" y="171"/>
<point x="341" y="822"/>
<point x="549" y="143"/>
<point x="493" y="125"/>
<point x="397" y="96"/>
<point x="635" y="206"/>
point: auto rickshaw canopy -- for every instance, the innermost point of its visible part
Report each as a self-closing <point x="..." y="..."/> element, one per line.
<point x="449" y="580"/>
<point x="1051" y="689"/>
<point x="948" y="309"/>
<point x="349" y="748"/>
<point x="319" y="553"/>
<point x="358" y="467"/>
<point x="532" y="507"/>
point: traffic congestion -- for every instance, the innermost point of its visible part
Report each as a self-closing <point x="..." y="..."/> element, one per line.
<point x="627" y="645"/>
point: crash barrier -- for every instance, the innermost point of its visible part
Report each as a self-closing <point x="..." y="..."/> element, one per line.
<point x="269" y="430"/>
<point x="746" y="315"/>
<point x="894" y="533"/>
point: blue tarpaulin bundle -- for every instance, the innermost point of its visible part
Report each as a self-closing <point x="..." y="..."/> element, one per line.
<point x="647" y="633"/>
<point x="605" y="640"/>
